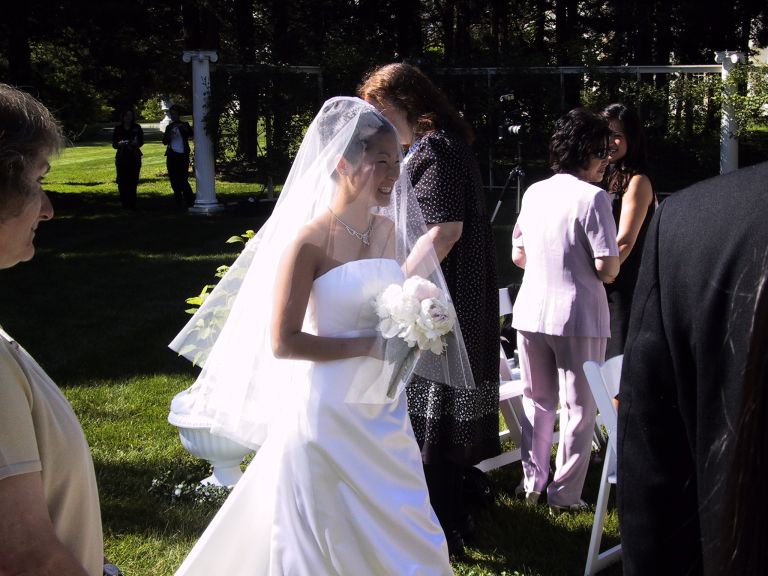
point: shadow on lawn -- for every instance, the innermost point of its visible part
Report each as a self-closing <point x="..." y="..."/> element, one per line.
<point x="105" y="294"/>
<point x="129" y="505"/>
<point x="514" y="537"/>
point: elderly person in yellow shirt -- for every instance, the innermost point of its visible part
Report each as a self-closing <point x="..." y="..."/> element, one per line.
<point x="50" y="522"/>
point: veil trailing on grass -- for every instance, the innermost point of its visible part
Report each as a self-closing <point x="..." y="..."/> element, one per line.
<point x="242" y="383"/>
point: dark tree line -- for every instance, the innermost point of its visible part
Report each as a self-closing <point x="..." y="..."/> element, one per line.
<point x="123" y="51"/>
<point x="88" y="60"/>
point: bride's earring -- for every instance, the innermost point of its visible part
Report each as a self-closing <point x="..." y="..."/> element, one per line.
<point x="342" y="168"/>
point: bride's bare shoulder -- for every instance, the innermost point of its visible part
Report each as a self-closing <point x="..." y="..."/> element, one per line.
<point x="314" y="233"/>
<point x="309" y="244"/>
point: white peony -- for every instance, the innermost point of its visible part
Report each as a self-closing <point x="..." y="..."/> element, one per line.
<point x="434" y="321"/>
<point x="417" y="313"/>
<point x="393" y="303"/>
<point x="389" y="328"/>
<point x="408" y="334"/>
<point x="420" y="288"/>
<point x="387" y="299"/>
<point x="435" y="317"/>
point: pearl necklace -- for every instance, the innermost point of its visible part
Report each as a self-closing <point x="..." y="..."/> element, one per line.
<point x="364" y="237"/>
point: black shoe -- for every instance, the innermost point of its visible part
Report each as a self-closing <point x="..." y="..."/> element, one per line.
<point x="468" y="529"/>
<point x="455" y="544"/>
<point x="556" y="510"/>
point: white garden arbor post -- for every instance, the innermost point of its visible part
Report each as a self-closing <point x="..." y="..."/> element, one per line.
<point x="205" y="201"/>
<point x="729" y="144"/>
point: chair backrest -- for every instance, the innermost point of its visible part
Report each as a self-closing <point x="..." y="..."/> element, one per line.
<point x="505" y="307"/>
<point x="510" y="401"/>
<point x="505" y="302"/>
<point x="604" y="382"/>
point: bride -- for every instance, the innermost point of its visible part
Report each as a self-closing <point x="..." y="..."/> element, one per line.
<point x="293" y="366"/>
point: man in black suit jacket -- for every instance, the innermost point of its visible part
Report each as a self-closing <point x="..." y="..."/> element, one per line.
<point x="683" y="370"/>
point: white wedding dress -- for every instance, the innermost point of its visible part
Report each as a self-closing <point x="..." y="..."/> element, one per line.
<point x="338" y="487"/>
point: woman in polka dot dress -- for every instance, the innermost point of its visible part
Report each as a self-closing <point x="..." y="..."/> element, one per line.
<point x="455" y="428"/>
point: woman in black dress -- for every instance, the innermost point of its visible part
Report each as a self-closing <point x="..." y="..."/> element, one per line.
<point x="455" y="428"/>
<point x="127" y="139"/>
<point x="634" y="203"/>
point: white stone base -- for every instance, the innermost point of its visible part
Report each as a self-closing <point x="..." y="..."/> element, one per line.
<point x="206" y="209"/>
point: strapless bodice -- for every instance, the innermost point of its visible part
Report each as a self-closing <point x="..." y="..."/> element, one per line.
<point x="342" y="299"/>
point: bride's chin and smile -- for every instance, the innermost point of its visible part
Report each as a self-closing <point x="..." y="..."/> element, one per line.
<point x="383" y="196"/>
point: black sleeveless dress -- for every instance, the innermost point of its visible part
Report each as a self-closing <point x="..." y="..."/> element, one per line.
<point x="621" y="291"/>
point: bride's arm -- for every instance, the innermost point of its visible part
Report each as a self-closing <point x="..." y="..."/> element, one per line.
<point x="423" y="260"/>
<point x="293" y="286"/>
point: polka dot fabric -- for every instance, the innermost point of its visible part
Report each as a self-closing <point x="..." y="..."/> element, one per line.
<point x="460" y="424"/>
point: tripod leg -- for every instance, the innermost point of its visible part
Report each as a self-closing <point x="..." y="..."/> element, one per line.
<point x="501" y="194"/>
<point x="496" y="210"/>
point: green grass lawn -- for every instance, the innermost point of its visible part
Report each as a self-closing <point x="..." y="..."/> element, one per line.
<point x="97" y="308"/>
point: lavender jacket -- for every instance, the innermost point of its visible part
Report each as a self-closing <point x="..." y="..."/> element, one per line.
<point x="564" y="224"/>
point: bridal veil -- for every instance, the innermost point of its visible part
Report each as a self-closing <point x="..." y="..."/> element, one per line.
<point x="242" y="384"/>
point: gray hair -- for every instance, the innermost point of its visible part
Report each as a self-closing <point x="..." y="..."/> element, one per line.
<point x="28" y="132"/>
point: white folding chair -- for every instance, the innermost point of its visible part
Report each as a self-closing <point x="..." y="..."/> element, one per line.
<point x="604" y="383"/>
<point x="510" y="399"/>
<point x="511" y="389"/>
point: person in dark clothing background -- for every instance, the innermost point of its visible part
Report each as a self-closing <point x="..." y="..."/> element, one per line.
<point x="127" y="139"/>
<point x="176" y="138"/>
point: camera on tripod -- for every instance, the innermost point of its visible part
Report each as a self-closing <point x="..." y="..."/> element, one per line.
<point x="511" y="129"/>
<point x="512" y="125"/>
<point x="511" y="117"/>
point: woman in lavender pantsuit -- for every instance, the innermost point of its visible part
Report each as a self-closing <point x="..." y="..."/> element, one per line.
<point x="565" y="239"/>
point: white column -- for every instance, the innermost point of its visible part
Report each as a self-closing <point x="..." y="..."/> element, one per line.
<point x="205" y="202"/>
<point x="729" y="144"/>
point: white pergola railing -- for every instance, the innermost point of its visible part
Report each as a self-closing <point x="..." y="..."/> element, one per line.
<point x="724" y="62"/>
<point x="207" y="203"/>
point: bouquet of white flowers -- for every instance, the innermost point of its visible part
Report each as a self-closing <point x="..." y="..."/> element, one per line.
<point x="418" y="313"/>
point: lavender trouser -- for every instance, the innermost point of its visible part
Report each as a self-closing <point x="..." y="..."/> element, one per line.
<point x="552" y="370"/>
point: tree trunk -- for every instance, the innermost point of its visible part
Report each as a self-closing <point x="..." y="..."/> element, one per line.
<point x="16" y="19"/>
<point x="499" y="23"/>
<point x="247" y="129"/>
<point x="277" y="144"/>
<point x="661" y="14"/>
<point x="408" y="28"/>
<point x="447" y="24"/>
<point x="463" y="37"/>
<point x="200" y="24"/>
<point x="541" y="23"/>
<point x="566" y="33"/>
